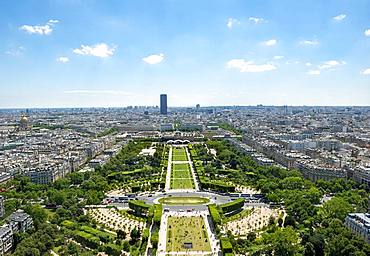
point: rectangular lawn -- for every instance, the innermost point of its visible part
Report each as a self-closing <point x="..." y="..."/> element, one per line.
<point x="182" y="184"/>
<point x="187" y="230"/>
<point x="181" y="177"/>
<point x="179" y="154"/>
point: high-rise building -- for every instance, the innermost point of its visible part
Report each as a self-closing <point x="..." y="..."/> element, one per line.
<point x="163" y="109"/>
<point x="2" y="207"/>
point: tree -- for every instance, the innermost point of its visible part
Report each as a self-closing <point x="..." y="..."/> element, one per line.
<point x="289" y="221"/>
<point x="283" y="242"/>
<point x="126" y="246"/>
<point x="135" y="234"/>
<point x="309" y="250"/>
<point x="121" y="234"/>
<point x="37" y="213"/>
<point x="337" y="207"/>
<point x="251" y="236"/>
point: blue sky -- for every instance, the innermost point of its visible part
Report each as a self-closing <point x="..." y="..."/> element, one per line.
<point x="75" y="53"/>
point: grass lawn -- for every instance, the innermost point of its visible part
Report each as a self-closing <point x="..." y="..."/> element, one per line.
<point x="180" y="167"/>
<point x="182" y="230"/>
<point x="182" y="184"/>
<point x="177" y="200"/>
<point x="179" y="154"/>
<point x="181" y="177"/>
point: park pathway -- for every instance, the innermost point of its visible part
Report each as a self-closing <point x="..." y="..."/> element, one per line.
<point x="190" y="161"/>
<point x="169" y="166"/>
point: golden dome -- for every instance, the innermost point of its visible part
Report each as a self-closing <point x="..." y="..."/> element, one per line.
<point x="24" y="119"/>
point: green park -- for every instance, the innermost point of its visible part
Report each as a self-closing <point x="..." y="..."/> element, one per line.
<point x="187" y="234"/>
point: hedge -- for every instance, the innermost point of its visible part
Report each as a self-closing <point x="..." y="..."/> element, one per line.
<point x="157" y="214"/>
<point x="232" y="206"/>
<point x="102" y="235"/>
<point x="112" y="249"/>
<point x="226" y="245"/>
<point x="68" y="224"/>
<point x="145" y="235"/>
<point x="215" y="185"/>
<point x="215" y="215"/>
<point x="87" y="239"/>
<point x="139" y="206"/>
<point x="154" y="239"/>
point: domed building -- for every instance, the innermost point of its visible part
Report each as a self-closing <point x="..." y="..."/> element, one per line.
<point x="23" y="123"/>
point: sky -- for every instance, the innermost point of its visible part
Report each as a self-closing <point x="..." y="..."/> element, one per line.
<point x="116" y="53"/>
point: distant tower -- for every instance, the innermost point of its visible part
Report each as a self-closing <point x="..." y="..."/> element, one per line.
<point x="2" y="208"/>
<point x="163" y="109"/>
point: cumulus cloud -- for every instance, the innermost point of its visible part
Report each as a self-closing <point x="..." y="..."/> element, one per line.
<point x="339" y="17"/>
<point x="257" y="20"/>
<point x="231" y="22"/>
<point x="366" y="71"/>
<point x="245" y="66"/>
<point x="154" y="58"/>
<point x="40" y="29"/>
<point x="270" y="42"/>
<point x="101" y="50"/>
<point x="63" y="59"/>
<point x="308" y="64"/>
<point x="331" y="64"/>
<point x="309" y="42"/>
<point x="314" y="72"/>
<point x="367" y="32"/>
<point x="278" y="57"/>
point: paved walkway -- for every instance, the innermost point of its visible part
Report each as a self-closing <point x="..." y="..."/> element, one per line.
<point x="192" y="170"/>
<point x="168" y="176"/>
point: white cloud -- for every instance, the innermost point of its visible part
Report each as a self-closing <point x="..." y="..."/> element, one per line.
<point x="308" y="64"/>
<point x="249" y="66"/>
<point x="16" y="52"/>
<point x="339" y="17"/>
<point x="309" y="42"/>
<point x="53" y="21"/>
<point x="232" y="22"/>
<point x="278" y="57"/>
<point x="40" y="29"/>
<point x="101" y="50"/>
<point x="63" y="59"/>
<point x="331" y="64"/>
<point x="367" y="32"/>
<point x="270" y="42"/>
<point x="154" y="58"/>
<point x="314" y="72"/>
<point x="257" y="20"/>
<point x="366" y="71"/>
<point x="99" y="92"/>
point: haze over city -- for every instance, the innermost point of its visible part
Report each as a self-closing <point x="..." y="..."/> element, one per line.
<point x="74" y="53"/>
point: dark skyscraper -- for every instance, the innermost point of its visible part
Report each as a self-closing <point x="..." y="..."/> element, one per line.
<point x="163" y="110"/>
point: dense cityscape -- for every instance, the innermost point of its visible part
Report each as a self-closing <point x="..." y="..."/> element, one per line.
<point x="144" y="180"/>
<point x="185" y="128"/>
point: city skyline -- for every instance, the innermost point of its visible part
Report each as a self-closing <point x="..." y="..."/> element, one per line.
<point x="215" y="53"/>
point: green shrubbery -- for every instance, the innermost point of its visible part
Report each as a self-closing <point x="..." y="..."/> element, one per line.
<point x="232" y="206"/>
<point x="215" y="215"/>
